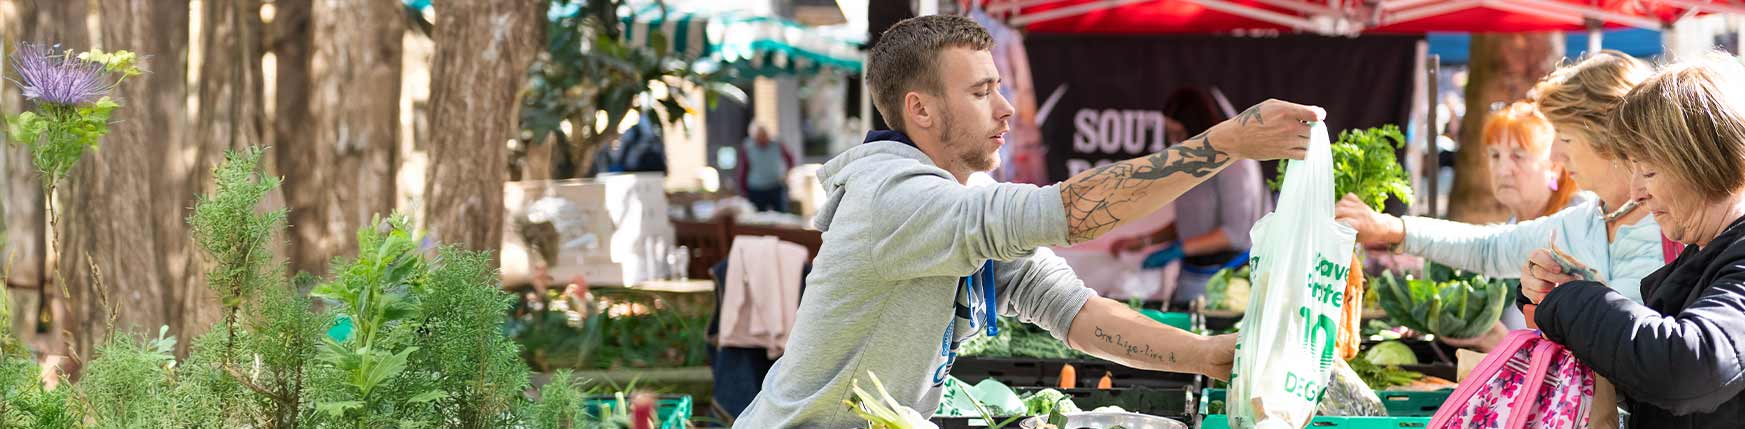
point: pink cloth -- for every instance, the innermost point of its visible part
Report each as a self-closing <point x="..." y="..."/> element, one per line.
<point x="761" y="293"/>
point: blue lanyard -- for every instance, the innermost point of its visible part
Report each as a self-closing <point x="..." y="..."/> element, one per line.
<point x="987" y="276"/>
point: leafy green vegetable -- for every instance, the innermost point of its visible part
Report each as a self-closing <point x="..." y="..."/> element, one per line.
<point x="1049" y="401"/>
<point x="1228" y="289"/>
<point x="1364" y="164"/>
<point x="1447" y="304"/>
<point x="1382" y="377"/>
<point x="1391" y="353"/>
<point x="882" y="411"/>
<point x="1019" y="339"/>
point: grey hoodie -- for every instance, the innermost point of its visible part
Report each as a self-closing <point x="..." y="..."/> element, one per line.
<point x="888" y="293"/>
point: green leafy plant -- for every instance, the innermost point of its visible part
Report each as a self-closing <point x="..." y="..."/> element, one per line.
<point x="69" y="115"/>
<point x="560" y="404"/>
<point x="24" y="401"/>
<point x="1364" y="164"/>
<point x="670" y="333"/>
<point x="1446" y="303"/>
<point x="422" y="344"/>
<point x="1381" y="377"/>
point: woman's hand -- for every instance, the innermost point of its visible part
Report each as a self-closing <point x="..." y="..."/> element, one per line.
<point x="1373" y="228"/>
<point x="1541" y="274"/>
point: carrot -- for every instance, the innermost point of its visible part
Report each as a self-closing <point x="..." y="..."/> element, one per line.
<point x="1069" y="377"/>
<point x="1350" y="326"/>
<point x="1105" y="383"/>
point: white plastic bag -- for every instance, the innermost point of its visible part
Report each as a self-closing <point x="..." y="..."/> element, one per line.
<point x="1301" y="259"/>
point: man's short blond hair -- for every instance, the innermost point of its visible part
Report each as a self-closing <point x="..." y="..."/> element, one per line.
<point x="906" y="59"/>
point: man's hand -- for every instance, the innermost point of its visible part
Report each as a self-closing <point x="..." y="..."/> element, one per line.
<point x="1270" y="130"/>
<point x="1219" y="354"/>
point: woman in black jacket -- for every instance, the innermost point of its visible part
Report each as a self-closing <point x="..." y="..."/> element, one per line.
<point x="1678" y="359"/>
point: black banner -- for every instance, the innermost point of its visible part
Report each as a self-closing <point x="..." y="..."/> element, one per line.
<point x="1110" y="90"/>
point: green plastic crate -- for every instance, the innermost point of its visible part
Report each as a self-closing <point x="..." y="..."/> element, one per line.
<point x="672" y="411"/>
<point x="1402" y="403"/>
<point x="1220" y="421"/>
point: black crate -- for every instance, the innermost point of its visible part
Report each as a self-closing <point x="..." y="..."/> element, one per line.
<point x="968" y="422"/>
<point x="1034" y="372"/>
<point x="1090" y="371"/>
<point x="1439" y="370"/>
<point x="1013" y="372"/>
<point x="1175" y="402"/>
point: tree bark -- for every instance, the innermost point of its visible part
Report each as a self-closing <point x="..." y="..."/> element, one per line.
<point x="123" y="197"/>
<point x="1503" y="67"/>
<point x="231" y="117"/>
<point x="482" y="52"/>
<point x="293" y="149"/>
<point x="346" y="160"/>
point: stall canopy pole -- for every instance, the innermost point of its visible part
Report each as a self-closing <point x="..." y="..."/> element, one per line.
<point x="928" y="7"/>
<point x="866" y="107"/>
<point x="1435" y="153"/>
<point x="1594" y="36"/>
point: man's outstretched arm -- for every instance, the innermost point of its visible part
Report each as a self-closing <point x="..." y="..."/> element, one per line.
<point x="1111" y="330"/>
<point x="1100" y="199"/>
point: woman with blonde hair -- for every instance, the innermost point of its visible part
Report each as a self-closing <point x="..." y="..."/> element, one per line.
<point x="1619" y="241"/>
<point x="1677" y="354"/>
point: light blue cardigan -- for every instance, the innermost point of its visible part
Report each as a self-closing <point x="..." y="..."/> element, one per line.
<point x="1501" y="250"/>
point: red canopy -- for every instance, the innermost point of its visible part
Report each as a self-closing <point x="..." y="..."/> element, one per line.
<point x="1511" y="16"/>
<point x="1346" y="17"/>
<point x="1146" y="17"/>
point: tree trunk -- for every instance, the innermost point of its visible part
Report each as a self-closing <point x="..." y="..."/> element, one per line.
<point x="118" y="207"/>
<point x="44" y="22"/>
<point x="1502" y="69"/>
<point x="483" y="50"/>
<point x="294" y="153"/>
<point x="231" y="117"/>
<point x="347" y="158"/>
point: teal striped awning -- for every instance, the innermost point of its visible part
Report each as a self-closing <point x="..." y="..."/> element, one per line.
<point x="686" y="33"/>
<point x="755" y="45"/>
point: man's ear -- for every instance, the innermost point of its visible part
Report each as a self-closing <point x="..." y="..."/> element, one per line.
<point x="917" y="112"/>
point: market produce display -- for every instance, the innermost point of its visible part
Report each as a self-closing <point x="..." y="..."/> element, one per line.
<point x="1228" y="289"/>
<point x="1445" y="302"/>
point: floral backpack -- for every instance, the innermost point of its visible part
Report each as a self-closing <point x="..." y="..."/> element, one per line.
<point x="1527" y="382"/>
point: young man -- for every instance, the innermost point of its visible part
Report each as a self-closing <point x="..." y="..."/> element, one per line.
<point x="914" y="262"/>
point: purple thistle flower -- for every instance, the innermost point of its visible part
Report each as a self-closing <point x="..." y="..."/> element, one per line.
<point x="58" y="78"/>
